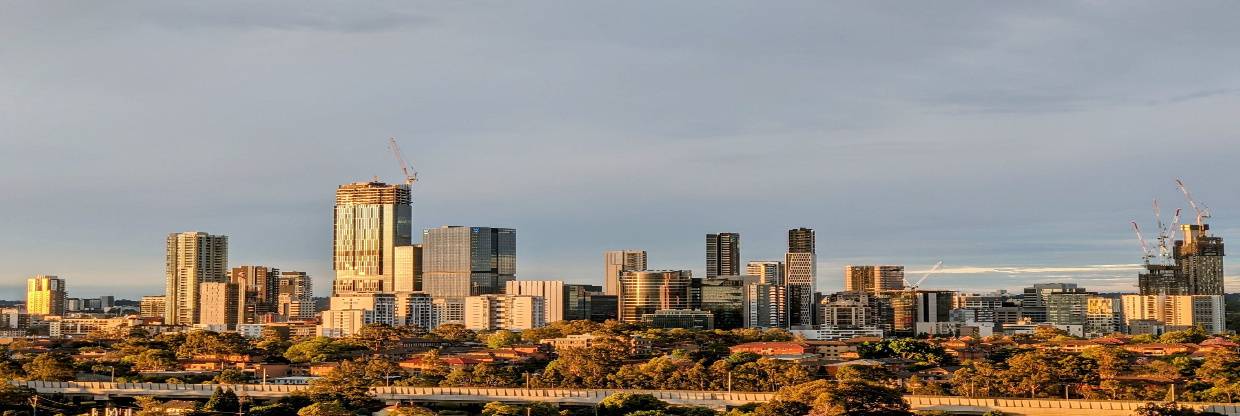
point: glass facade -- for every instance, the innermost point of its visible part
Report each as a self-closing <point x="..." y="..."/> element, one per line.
<point x="646" y="292"/>
<point x="468" y="261"/>
<point x="370" y="220"/>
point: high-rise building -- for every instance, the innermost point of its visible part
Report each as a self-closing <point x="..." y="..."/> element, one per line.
<point x="851" y="310"/>
<point x="218" y="305"/>
<point x="295" y="298"/>
<point x="617" y="262"/>
<point x="1197" y="268"/>
<point x="1034" y="299"/>
<point x="766" y="305"/>
<point x="467" y="261"/>
<point x="408" y="268"/>
<point x="724" y="298"/>
<point x="769" y="272"/>
<point x="1068" y="308"/>
<point x="1103" y="316"/>
<point x="873" y="279"/>
<point x="152" y="306"/>
<point x="1177" y="312"/>
<point x="723" y="256"/>
<point x="509" y="312"/>
<point x="257" y="290"/>
<point x="801" y="240"/>
<point x="415" y="309"/>
<point x="553" y="292"/>
<point x="578" y="299"/>
<point x="371" y="220"/>
<point x="931" y="307"/>
<point x="801" y="277"/>
<point x="192" y="258"/>
<point x="45" y="295"/>
<point x="645" y="292"/>
<point x="348" y="313"/>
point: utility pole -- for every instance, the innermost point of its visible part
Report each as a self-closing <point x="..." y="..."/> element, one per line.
<point x="729" y="381"/>
<point x="34" y="405"/>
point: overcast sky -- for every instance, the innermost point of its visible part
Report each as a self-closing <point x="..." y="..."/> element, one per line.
<point x="1013" y="140"/>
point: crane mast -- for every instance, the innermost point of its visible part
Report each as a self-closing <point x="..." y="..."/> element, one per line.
<point x="1203" y="212"/>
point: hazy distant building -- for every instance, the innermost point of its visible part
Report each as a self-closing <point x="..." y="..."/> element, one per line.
<point x="768" y="271"/>
<point x="508" y="312"/>
<point x="218" y="308"/>
<point x="800" y="277"/>
<point x="723" y="255"/>
<point x="553" y="292"/>
<point x="192" y="258"/>
<point x="45" y="295"/>
<point x="680" y="318"/>
<point x="1197" y="268"/>
<point x="619" y="261"/>
<point x="152" y="307"/>
<point x="371" y="219"/>
<point x="645" y="292"/>
<point x="1067" y="308"/>
<point x="467" y="261"/>
<point x="295" y="296"/>
<point x="408" y="268"/>
<point x="873" y="279"/>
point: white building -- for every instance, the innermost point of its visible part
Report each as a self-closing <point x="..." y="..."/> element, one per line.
<point x="415" y="309"/>
<point x="827" y="333"/>
<point x="511" y="312"/>
<point x="192" y="258"/>
<point x="552" y="292"/>
<point x="1177" y="312"/>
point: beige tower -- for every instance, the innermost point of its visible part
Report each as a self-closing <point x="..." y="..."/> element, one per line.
<point x="192" y="258"/>
<point x="371" y="220"/>
<point x="616" y="263"/>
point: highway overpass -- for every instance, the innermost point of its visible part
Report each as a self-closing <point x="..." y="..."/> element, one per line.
<point x="589" y="397"/>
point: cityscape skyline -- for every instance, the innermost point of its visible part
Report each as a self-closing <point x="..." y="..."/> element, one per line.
<point x="1006" y="173"/>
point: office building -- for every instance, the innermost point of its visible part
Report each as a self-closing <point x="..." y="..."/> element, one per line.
<point x="766" y="305"/>
<point x="801" y="277"/>
<point x="508" y="312"/>
<point x="152" y="307"/>
<point x="295" y="296"/>
<point x="617" y="262"/>
<point x="724" y="298"/>
<point x="45" y="295"/>
<point x="1177" y="312"/>
<point x="768" y="271"/>
<point x="371" y="219"/>
<point x="1067" y="308"/>
<point x="467" y="261"/>
<point x="448" y="310"/>
<point x="218" y="307"/>
<point x="604" y="308"/>
<point x="192" y="258"/>
<point x="258" y="291"/>
<point x="380" y="308"/>
<point x="1034" y="299"/>
<point x="680" y="318"/>
<point x="553" y="292"/>
<point x="873" y="279"/>
<point x="723" y="254"/>
<point x="645" y="292"/>
<point x="577" y="300"/>
<point x="408" y="268"/>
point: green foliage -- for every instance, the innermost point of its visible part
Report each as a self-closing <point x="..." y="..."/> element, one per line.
<point x="325" y="409"/>
<point x="10" y="394"/>
<point x="586" y="367"/>
<point x="212" y="343"/>
<point x="532" y="409"/>
<point x="410" y="410"/>
<point x="503" y="339"/>
<point x="621" y="404"/>
<point x="1167" y="409"/>
<point x="347" y="384"/>
<point x="454" y="333"/>
<point x="50" y="367"/>
<point x="222" y="401"/>
<point x="782" y="408"/>
<point x="153" y="359"/>
<point x="321" y="349"/>
<point x="859" y="398"/>
<point x="1192" y="336"/>
<point x="231" y="376"/>
<point x="920" y="351"/>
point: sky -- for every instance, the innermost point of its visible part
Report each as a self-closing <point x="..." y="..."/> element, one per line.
<point x="1014" y="141"/>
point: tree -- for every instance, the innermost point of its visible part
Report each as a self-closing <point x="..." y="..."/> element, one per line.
<point x="320" y="349"/>
<point x="531" y="409"/>
<point x="346" y="384"/>
<point x="782" y="408"/>
<point x="325" y="409"/>
<point x="411" y="410"/>
<point x="856" y="398"/>
<point x="153" y="360"/>
<point x="907" y="348"/>
<point x="587" y="367"/>
<point x="1192" y="335"/>
<point x="1166" y="409"/>
<point x="621" y="404"/>
<point x="503" y="339"/>
<point x="231" y="376"/>
<point x="50" y="367"/>
<point x="454" y="333"/>
<point x="222" y="401"/>
<point x="10" y="393"/>
<point x="1030" y="372"/>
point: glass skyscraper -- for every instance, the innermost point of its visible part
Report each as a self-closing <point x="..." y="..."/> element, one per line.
<point x="468" y="261"/>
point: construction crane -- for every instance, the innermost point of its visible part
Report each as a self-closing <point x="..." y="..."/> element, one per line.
<point x="1145" y="248"/>
<point x="410" y="175"/>
<point x="1203" y="212"/>
<point x="914" y="286"/>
